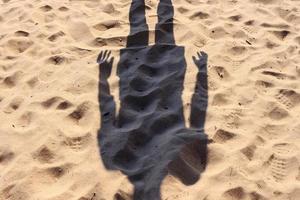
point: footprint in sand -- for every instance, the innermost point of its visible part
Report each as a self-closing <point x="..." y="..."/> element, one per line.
<point x="249" y="151"/>
<point x="239" y="193"/>
<point x="50" y="102"/>
<point x="278" y="75"/>
<point x="222" y="136"/>
<point x="199" y="15"/>
<point x="56" y="102"/>
<point x="64" y="105"/>
<point x="278" y="113"/>
<point x="283" y="162"/>
<point x="44" y="155"/>
<point x="289" y="98"/>
<point x="19" y="45"/>
<point x="236" y="193"/>
<point x="58" y="171"/>
<point x="6" y="156"/>
<point x="57" y="60"/>
<point x="63" y="9"/>
<point x="106" y="25"/>
<point x="220" y="72"/>
<point x="21" y="33"/>
<point x="220" y="99"/>
<point x="80" y="112"/>
<point x="26" y="119"/>
<point x="78" y="143"/>
<point x="264" y="84"/>
<point x="11" y="80"/>
<point x="32" y="82"/>
<point x="249" y="27"/>
<point x="14" y="105"/>
<point x="46" y="8"/>
<point x="235" y="18"/>
<point x="265" y="1"/>
<point x="54" y="37"/>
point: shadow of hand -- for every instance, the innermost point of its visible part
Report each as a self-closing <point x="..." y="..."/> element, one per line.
<point x="105" y="62"/>
<point x="201" y="61"/>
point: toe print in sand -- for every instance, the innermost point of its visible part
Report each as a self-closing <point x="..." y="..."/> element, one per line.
<point x="147" y="138"/>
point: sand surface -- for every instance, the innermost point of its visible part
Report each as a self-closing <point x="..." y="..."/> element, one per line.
<point x="50" y="113"/>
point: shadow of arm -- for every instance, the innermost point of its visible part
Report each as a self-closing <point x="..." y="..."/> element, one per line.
<point x="106" y="100"/>
<point x="200" y="96"/>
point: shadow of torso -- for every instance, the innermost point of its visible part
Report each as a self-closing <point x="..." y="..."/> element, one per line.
<point x="149" y="133"/>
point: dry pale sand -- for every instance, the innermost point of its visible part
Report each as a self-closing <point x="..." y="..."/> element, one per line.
<point x="50" y="111"/>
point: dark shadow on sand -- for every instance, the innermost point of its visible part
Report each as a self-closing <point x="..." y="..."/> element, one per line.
<point x="148" y="139"/>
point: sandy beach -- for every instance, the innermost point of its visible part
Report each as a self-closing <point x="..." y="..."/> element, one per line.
<point x="50" y="110"/>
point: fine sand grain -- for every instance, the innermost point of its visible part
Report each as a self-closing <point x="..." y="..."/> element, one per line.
<point x="49" y="107"/>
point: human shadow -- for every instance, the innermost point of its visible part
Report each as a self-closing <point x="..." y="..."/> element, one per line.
<point x="148" y="138"/>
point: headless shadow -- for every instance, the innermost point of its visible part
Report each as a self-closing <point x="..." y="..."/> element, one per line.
<point x="148" y="139"/>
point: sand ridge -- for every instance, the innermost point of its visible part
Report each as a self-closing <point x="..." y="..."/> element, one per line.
<point x="50" y="111"/>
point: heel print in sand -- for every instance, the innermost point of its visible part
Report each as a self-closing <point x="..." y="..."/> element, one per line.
<point x="289" y="98"/>
<point x="283" y="163"/>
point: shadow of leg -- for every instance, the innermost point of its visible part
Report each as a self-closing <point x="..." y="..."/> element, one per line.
<point x="164" y="33"/>
<point x="139" y="33"/>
